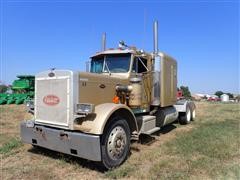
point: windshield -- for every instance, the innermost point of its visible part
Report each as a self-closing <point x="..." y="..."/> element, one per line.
<point x="97" y="65"/>
<point x="111" y="63"/>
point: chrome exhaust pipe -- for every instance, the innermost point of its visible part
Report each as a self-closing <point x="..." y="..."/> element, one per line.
<point x="156" y="68"/>
<point x="155" y="38"/>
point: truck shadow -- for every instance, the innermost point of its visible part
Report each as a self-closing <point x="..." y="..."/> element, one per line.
<point x="149" y="139"/>
<point x="65" y="158"/>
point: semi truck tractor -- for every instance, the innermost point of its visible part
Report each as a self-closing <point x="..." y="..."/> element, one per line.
<point x="95" y="115"/>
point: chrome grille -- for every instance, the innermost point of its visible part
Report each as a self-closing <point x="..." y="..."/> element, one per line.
<point x="52" y="100"/>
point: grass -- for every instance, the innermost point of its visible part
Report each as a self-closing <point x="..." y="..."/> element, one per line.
<point x="212" y="148"/>
<point x="10" y="145"/>
<point x="208" y="148"/>
<point x="123" y="171"/>
<point x="214" y="140"/>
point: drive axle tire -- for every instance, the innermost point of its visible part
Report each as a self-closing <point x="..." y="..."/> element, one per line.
<point x="186" y="117"/>
<point x="193" y="114"/>
<point x="115" y="143"/>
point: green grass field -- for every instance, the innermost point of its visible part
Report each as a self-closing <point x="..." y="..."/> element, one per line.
<point x="208" y="148"/>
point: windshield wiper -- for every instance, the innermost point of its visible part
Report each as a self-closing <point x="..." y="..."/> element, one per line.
<point x="108" y="68"/>
<point x="105" y="64"/>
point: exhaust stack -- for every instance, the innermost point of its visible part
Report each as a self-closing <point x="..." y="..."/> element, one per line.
<point x="155" y="38"/>
<point x="156" y="68"/>
<point x="104" y="42"/>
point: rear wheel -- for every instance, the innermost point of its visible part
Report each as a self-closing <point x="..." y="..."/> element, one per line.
<point x="115" y="143"/>
<point x="186" y="117"/>
<point x="193" y="115"/>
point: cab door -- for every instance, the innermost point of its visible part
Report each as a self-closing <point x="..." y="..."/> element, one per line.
<point x="140" y="69"/>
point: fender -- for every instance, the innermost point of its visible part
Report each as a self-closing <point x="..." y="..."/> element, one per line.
<point x="95" y="123"/>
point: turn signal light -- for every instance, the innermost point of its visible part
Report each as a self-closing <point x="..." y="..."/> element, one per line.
<point x="115" y="99"/>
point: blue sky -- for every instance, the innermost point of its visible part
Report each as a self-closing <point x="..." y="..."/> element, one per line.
<point x="202" y="36"/>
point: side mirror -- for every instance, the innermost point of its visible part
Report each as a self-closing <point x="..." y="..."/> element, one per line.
<point x="87" y="66"/>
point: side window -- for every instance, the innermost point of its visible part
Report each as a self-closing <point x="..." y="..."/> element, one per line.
<point x="139" y="65"/>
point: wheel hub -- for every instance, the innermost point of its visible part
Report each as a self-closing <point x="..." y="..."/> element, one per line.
<point x="116" y="142"/>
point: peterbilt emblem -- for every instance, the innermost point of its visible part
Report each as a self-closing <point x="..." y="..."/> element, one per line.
<point x="51" y="100"/>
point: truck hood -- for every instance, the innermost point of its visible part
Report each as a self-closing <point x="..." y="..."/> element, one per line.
<point x="98" y="88"/>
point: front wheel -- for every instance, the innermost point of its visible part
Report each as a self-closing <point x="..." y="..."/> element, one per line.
<point x="115" y="143"/>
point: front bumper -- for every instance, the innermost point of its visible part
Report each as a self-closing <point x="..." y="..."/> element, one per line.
<point x="69" y="142"/>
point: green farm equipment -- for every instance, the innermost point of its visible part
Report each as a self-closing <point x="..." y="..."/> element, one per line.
<point x="3" y="98"/>
<point x="22" y="88"/>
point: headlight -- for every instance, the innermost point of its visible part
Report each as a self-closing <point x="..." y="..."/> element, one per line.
<point x="30" y="104"/>
<point x="85" y="108"/>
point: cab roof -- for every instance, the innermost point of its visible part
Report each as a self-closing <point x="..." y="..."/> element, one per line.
<point x="128" y="51"/>
<point x="115" y="51"/>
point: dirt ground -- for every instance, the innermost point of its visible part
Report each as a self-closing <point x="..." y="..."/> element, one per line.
<point x="22" y="161"/>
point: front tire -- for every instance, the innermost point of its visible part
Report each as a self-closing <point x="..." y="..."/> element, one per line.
<point x="115" y="144"/>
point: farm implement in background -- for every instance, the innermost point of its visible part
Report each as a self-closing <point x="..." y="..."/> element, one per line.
<point x="22" y="90"/>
